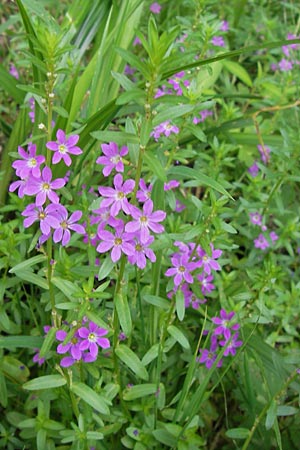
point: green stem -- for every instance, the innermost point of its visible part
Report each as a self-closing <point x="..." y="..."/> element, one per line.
<point x="116" y="328"/>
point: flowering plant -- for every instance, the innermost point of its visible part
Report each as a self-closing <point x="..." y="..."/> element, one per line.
<point x="149" y="227"/>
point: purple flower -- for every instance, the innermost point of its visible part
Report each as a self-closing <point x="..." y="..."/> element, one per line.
<point x="190" y="299"/>
<point x="145" y="220"/>
<point x="141" y="252"/>
<point x="112" y="159"/>
<point x="44" y="186"/>
<point x="20" y="185"/>
<point x="206" y="285"/>
<point x="224" y="327"/>
<point x="62" y="232"/>
<point x="224" y="26"/>
<point x="144" y="193"/>
<point x="116" y="198"/>
<point x="165" y="128"/>
<point x="273" y="236"/>
<point x="231" y="344"/>
<point x="72" y="346"/>
<point x="209" y="356"/>
<point x="179" y="206"/>
<point x="264" y="153"/>
<point x="118" y="243"/>
<point x="13" y="71"/>
<point x="155" y="8"/>
<point x="92" y="338"/>
<point x="218" y="41"/>
<point x="181" y="269"/>
<point x="30" y="164"/>
<point x="256" y="218"/>
<point x="285" y="65"/>
<point x="63" y="146"/>
<point x="253" y="170"/>
<point x="37" y="358"/>
<point x="47" y="217"/>
<point x="208" y="262"/>
<point x="175" y="82"/>
<point x="203" y="115"/>
<point x="261" y="242"/>
<point x="137" y="41"/>
<point x="172" y="184"/>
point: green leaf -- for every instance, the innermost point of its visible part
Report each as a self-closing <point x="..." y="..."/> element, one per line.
<point x="66" y="287"/>
<point x="180" y="306"/>
<point x="178" y="336"/>
<point x="155" y="166"/>
<point x="202" y="179"/>
<point x="123" y="311"/>
<point x="285" y="410"/>
<point x="10" y="342"/>
<point x="131" y="360"/>
<point x="9" y="84"/>
<point x="151" y="354"/>
<point x="139" y="391"/>
<point x="172" y="113"/>
<point x="271" y="415"/>
<point x="237" y="433"/>
<point x="3" y="391"/>
<point x="157" y="301"/>
<point x="239" y="71"/>
<point x="45" y="382"/>
<point x="120" y="137"/>
<point x="31" y="277"/>
<point x="48" y="341"/>
<point x="13" y="368"/>
<point x="105" y="268"/>
<point x="91" y="397"/>
<point x="28" y="263"/>
<point x="165" y="438"/>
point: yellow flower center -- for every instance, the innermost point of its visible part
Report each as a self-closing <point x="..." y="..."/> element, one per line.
<point x="46" y="187"/>
<point x="143" y="219"/>
<point x="32" y="162"/>
<point x="42" y="215"/>
<point x="62" y="148"/>
<point x="181" y="269"/>
<point x="92" y="337"/>
<point x="118" y="241"/>
<point x="121" y="195"/>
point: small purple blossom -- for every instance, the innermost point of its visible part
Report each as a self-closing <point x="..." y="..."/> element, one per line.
<point x="112" y="159"/>
<point x="224" y="325"/>
<point x="92" y="338"/>
<point x="47" y="217"/>
<point x="181" y="269"/>
<point x="261" y="242"/>
<point x="44" y="187"/>
<point x="209" y="263"/>
<point x="224" y="26"/>
<point x="209" y="356"/>
<point x="256" y="218"/>
<point x="37" y="358"/>
<point x="206" y="285"/>
<point x="253" y="170"/>
<point x="62" y="232"/>
<point x="172" y="184"/>
<point x="273" y="236"/>
<point x="284" y="65"/>
<point x="117" y="198"/>
<point x="30" y="164"/>
<point x="14" y="71"/>
<point x="72" y="346"/>
<point x="20" y="185"/>
<point x="141" y="252"/>
<point x="63" y="147"/>
<point x="218" y="41"/>
<point x="144" y="193"/>
<point x="231" y="344"/>
<point x="145" y="221"/>
<point x="165" y="128"/>
<point x="155" y="8"/>
<point x="179" y="206"/>
<point x="264" y="153"/>
<point x="118" y="243"/>
<point x="204" y="114"/>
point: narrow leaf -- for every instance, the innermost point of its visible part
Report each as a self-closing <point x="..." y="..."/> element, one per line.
<point x="123" y="311"/>
<point x="45" y="382"/>
<point x="91" y="397"/>
<point x="131" y="360"/>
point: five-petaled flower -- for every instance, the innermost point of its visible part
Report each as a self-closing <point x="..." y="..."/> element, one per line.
<point x="44" y="187"/>
<point x="92" y="338"/>
<point x="63" y="147"/>
<point x="112" y="159"/>
<point x="117" y="198"/>
<point x="145" y="220"/>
